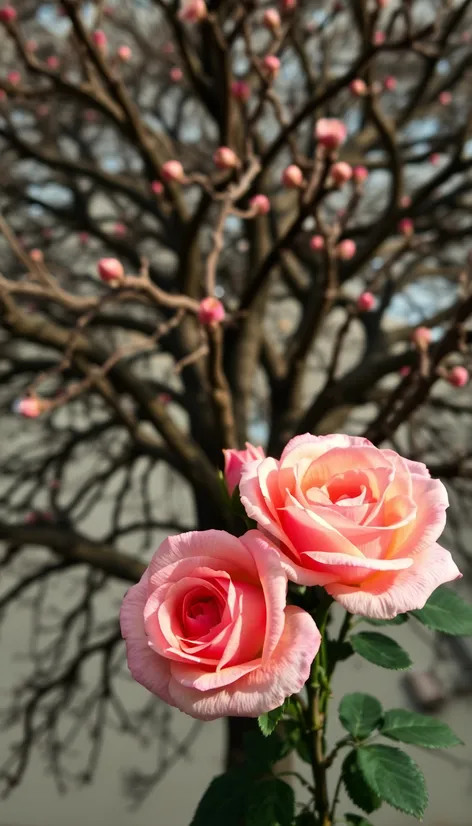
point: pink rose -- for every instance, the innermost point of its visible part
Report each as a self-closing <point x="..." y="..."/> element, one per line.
<point x="360" y="521"/>
<point x="208" y="630"/>
<point x="235" y="461"/>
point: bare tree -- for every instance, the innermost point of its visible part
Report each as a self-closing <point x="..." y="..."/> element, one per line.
<point x="327" y="284"/>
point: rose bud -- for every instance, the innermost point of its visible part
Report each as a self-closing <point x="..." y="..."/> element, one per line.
<point x="358" y="87"/>
<point x="53" y="62"/>
<point x="37" y="256"/>
<point x="124" y="53"/>
<point x="235" y="460"/>
<point x="100" y="39"/>
<point x="365" y="302"/>
<point x="7" y="14"/>
<point x="225" y="158"/>
<point x="317" y="243"/>
<point x="271" y="20"/>
<point x="346" y="249"/>
<point x="421" y="337"/>
<point x="176" y="74"/>
<point x="241" y="90"/>
<point x="360" y="174"/>
<point x="30" y="407"/>
<point x="14" y="77"/>
<point x="340" y="173"/>
<point x="210" y="311"/>
<point x="330" y="133"/>
<point x="111" y="271"/>
<point x="390" y="83"/>
<point x="445" y="98"/>
<point x="194" y="11"/>
<point x="379" y="38"/>
<point x="458" y="376"/>
<point x="405" y="201"/>
<point x="406" y="227"/>
<point x="157" y="187"/>
<point x="260" y="204"/>
<point x="173" y="171"/>
<point x="292" y="177"/>
<point x="271" y="64"/>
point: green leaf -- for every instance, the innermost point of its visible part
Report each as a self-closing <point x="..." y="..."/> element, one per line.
<point x="357" y="789"/>
<point x="225" y="801"/>
<point x="338" y="651"/>
<point x="380" y="650"/>
<point x="446" y="611"/>
<point x="262" y="752"/>
<point x="360" y="714"/>
<point x="269" y="721"/>
<point x="417" y="729"/>
<point x="356" y="820"/>
<point x="271" y="803"/>
<point x="400" y="619"/>
<point x="394" y="777"/>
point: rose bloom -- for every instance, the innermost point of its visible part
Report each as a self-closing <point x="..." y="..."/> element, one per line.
<point x="235" y="461"/>
<point x="208" y="629"/>
<point x="360" y="521"/>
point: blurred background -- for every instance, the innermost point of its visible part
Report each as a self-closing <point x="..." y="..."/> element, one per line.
<point x="112" y="425"/>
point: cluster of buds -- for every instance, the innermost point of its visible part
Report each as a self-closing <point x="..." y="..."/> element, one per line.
<point x="210" y="311"/>
<point x="340" y="173"/>
<point x="111" y="271"/>
<point x="7" y="14"/>
<point x="260" y="204"/>
<point x="330" y="133"/>
<point x="30" y="407"/>
<point x="292" y="177"/>
<point x="346" y="249"/>
<point x="173" y="171"/>
<point x="458" y="376"/>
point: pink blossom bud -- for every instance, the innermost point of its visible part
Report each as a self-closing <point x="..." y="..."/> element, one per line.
<point x="346" y="249"/>
<point x="111" y="271"/>
<point x="119" y="229"/>
<point x="225" y="158"/>
<point x="405" y="201"/>
<point x="330" y="133"/>
<point x="83" y="237"/>
<point x="241" y="90"/>
<point x="288" y="5"/>
<point x="14" y="77"/>
<point x="271" y="20"/>
<point x="193" y="11"/>
<point x="445" y="98"/>
<point x="31" y="46"/>
<point x="210" y="311"/>
<point x="458" y="376"/>
<point x="360" y="174"/>
<point x="379" y="38"/>
<point x="382" y="4"/>
<point x="317" y="243"/>
<point x="30" y="407"/>
<point x="7" y="14"/>
<point x="405" y="371"/>
<point x="53" y="62"/>
<point x="340" y="173"/>
<point x="37" y="256"/>
<point x="358" y="87"/>
<point x="168" y="48"/>
<point x="100" y="39"/>
<point x="271" y="64"/>
<point x="157" y="187"/>
<point x="421" y="337"/>
<point x="365" y="302"/>
<point x="406" y="227"/>
<point x="124" y="53"/>
<point x="390" y="83"/>
<point x="292" y="177"/>
<point x="173" y="171"/>
<point x="435" y="158"/>
<point x="260" y="204"/>
<point x="235" y="460"/>
<point x="176" y="74"/>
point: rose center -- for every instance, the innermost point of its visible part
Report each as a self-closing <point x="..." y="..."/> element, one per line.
<point x="200" y="616"/>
